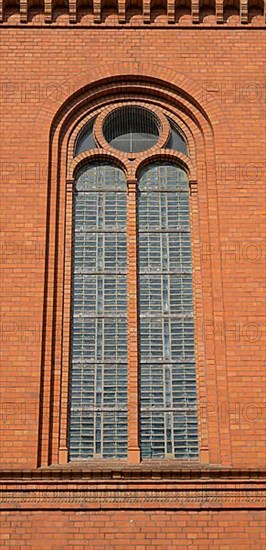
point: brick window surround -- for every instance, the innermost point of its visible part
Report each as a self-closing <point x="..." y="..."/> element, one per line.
<point x="189" y="115"/>
<point x="134" y="364"/>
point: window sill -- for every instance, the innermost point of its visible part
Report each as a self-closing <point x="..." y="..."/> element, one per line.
<point x="147" y="470"/>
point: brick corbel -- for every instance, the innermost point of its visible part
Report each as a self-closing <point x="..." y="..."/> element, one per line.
<point x="219" y="11"/>
<point x="195" y="11"/>
<point x="121" y="11"/>
<point x="23" y="11"/>
<point x="97" y="11"/>
<point x="147" y="11"/>
<point x="72" y="11"/>
<point x="244" y="11"/>
<point x="171" y="11"/>
<point x="48" y="11"/>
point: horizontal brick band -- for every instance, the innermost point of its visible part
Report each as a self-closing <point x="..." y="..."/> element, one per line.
<point x="132" y="495"/>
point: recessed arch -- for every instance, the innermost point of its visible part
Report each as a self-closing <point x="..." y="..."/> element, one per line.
<point x="72" y="89"/>
<point x="11" y="10"/>
<point x="92" y="156"/>
<point x="179" y="96"/>
<point x="207" y="10"/>
<point x="231" y="10"/>
<point x="256" y="8"/>
<point x="36" y="10"/>
<point x="158" y="10"/>
<point x="134" y="11"/>
<point x="60" y="10"/>
<point x="84" y="11"/>
<point x="109" y="10"/>
<point x="172" y="157"/>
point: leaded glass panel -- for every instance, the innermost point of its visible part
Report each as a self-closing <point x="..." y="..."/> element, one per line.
<point x="168" y="402"/>
<point x="131" y="129"/>
<point x="98" y="419"/>
<point x="85" y="140"/>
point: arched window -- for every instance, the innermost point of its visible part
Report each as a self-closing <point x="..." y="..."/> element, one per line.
<point x="167" y="371"/>
<point x="99" y="319"/>
<point x="132" y="286"/>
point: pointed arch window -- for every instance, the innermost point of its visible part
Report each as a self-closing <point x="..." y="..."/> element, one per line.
<point x="133" y="382"/>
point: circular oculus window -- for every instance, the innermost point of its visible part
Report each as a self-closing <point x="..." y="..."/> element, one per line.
<point x="131" y="129"/>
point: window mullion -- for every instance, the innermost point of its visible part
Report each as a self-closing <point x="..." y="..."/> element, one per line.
<point x="132" y="285"/>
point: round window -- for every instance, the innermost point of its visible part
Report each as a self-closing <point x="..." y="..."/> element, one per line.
<point x="131" y="129"/>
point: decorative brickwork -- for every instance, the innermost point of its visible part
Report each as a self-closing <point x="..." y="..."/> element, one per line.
<point x="136" y="487"/>
<point x="185" y="114"/>
<point x="120" y="12"/>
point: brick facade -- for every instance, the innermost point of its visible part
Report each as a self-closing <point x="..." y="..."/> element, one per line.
<point x="54" y="70"/>
<point x="135" y="530"/>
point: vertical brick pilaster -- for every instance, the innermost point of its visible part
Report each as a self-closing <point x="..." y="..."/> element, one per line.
<point x="133" y="392"/>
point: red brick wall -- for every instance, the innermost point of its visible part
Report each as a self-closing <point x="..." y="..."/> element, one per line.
<point x="41" y="67"/>
<point x="134" y="530"/>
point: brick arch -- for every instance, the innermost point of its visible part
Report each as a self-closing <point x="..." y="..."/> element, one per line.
<point x="198" y="102"/>
<point x="181" y="84"/>
<point x="204" y="118"/>
<point x="173" y="157"/>
<point x="95" y="155"/>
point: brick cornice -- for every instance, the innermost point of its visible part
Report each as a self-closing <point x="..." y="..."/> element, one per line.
<point x="48" y="14"/>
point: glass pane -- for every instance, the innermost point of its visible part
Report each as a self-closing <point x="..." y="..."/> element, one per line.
<point x="176" y="139"/>
<point x="85" y="140"/>
<point x="98" y="420"/>
<point x="131" y="129"/>
<point x="167" y="362"/>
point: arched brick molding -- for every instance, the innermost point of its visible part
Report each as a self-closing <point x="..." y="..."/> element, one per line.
<point x="201" y="122"/>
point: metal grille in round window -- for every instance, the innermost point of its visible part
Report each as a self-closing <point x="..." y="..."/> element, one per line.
<point x="131" y="129"/>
